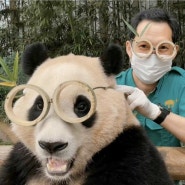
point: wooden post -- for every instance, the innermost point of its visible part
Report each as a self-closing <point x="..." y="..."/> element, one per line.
<point x="174" y="158"/>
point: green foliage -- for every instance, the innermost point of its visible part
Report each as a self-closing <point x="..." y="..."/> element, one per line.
<point x="77" y="26"/>
<point x="11" y="75"/>
<point x="3" y="93"/>
<point x="131" y="28"/>
<point x="143" y="31"/>
<point x="5" y="142"/>
<point x="63" y="26"/>
<point x="134" y="31"/>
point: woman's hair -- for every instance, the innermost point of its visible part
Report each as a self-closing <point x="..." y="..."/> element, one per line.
<point x="157" y="15"/>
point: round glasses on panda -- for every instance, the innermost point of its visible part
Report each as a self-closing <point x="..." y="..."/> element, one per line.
<point x="73" y="102"/>
<point x="165" y="50"/>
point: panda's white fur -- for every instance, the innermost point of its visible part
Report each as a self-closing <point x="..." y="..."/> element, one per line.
<point x="113" y="117"/>
<point x="86" y="69"/>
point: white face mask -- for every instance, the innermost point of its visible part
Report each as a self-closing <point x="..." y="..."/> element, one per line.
<point x="149" y="70"/>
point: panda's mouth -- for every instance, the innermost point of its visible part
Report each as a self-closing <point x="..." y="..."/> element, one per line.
<point x="58" y="167"/>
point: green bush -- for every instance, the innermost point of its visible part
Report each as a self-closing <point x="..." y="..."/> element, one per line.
<point x="12" y="76"/>
<point x="3" y="93"/>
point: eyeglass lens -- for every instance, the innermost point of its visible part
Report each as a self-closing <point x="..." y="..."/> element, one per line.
<point x="74" y="102"/>
<point x="145" y="48"/>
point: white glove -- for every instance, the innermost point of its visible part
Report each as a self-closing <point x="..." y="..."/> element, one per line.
<point x="139" y="101"/>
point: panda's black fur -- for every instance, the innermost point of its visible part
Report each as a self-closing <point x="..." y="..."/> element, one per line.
<point x="19" y="167"/>
<point x="134" y="161"/>
<point x="33" y="56"/>
<point x="129" y="158"/>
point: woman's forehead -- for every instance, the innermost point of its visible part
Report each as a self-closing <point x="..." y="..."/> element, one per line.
<point x="155" y="31"/>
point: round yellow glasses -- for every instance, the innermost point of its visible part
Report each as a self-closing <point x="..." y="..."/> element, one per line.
<point x="28" y="104"/>
<point x="165" y="50"/>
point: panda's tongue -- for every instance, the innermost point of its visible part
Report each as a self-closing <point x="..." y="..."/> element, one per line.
<point x="57" y="166"/>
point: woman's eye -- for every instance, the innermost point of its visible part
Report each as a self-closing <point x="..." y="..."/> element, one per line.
<point x="163" y="48"/>
<point x="143" y="46"/>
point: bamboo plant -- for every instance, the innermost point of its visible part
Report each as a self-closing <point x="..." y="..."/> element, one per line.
<point x="134" y="31"/>
<point x="10" y="76"/>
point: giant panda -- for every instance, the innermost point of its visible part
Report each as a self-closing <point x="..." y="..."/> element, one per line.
<point x="74" y="127"/>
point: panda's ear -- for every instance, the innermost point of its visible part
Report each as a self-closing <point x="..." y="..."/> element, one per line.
<point x="112" y="59"/>
<point x="34" y="55"/>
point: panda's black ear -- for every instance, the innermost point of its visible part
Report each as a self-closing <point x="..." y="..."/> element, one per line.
<point x="112" y="59"/>
<point x="34" y="55"/>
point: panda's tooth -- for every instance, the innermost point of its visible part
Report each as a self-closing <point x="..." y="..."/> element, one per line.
<point x="55" y="165"/>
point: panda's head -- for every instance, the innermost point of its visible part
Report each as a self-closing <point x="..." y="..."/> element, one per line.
<point x="69" y="109"/>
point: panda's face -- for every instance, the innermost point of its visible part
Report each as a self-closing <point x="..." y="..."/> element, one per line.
<point x="62" y="147"/>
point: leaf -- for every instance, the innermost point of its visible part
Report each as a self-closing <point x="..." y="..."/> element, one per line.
<point x="12" y="75"/>
<point x="15" y="67"/>
<point x="5" y="68"/>
<point x="4" y="78"/>
<point x="143" y="31"/>
<point x="131" y="28"/>
<point x="8" y="84"/>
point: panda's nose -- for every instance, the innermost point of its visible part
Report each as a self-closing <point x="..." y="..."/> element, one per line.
<point x="52" y="147"/>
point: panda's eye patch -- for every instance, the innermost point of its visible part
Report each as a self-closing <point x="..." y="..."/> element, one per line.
<point x="73" y="101"/>
<point x="36" y="109"/>
<point x="82" y="106"/>
<point x="38" y="104"/>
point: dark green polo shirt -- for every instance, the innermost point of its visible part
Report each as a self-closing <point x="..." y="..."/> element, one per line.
<point x="169" y="93"/>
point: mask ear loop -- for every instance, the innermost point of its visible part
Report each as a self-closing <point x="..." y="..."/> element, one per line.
<point x="61" y="114"/>
<point x="9" y="105"/>
<point x="164" y="59"/>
